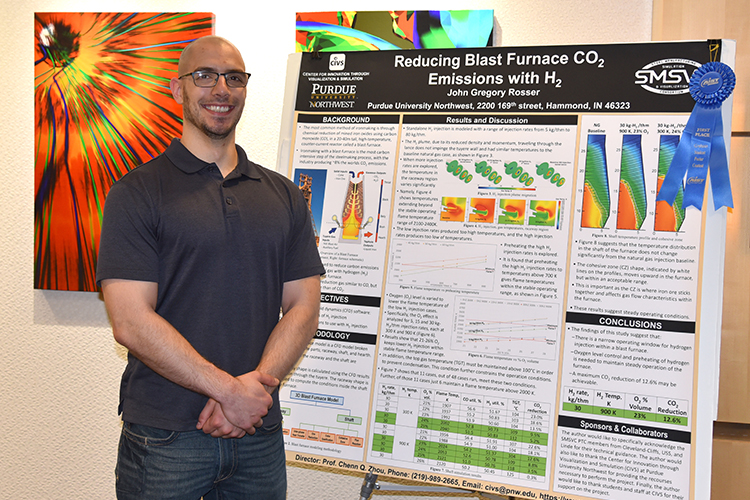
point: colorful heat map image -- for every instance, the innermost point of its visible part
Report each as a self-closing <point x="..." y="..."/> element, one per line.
<point x="453" y="209"/>
<point x="668" y="218"/>
<point x="631" y="204"/>
<point x="312" y="183"/>
<point x="393" y="30"/>
<point x="596" y="198"/>
<point x="353" y="214"/>
<point x="482" y="210"/>
<point x="102" y="106"/>
<point x="544" y="213"/>
<point x="511" y="211"/>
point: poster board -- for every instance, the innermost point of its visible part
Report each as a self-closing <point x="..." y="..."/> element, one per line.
<point x="506" y="307"/>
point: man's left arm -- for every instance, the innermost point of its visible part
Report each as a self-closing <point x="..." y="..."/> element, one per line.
<point x="300" y="304"/>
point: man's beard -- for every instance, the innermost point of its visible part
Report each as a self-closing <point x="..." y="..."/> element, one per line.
<point x="192" y="115"/>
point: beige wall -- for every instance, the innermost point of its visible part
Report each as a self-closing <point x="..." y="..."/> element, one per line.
<point x="59" y="367"/>
<point x="680" y="19"/>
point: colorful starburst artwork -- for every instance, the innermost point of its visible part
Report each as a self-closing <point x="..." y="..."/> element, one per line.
<point x="394" y="29"/>
<point x="102" y="106"/>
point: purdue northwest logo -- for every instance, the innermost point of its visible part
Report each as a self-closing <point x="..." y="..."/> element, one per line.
<point x="329" y="96"/>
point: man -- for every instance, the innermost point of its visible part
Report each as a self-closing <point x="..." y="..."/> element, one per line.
<point x="200" y="250"/>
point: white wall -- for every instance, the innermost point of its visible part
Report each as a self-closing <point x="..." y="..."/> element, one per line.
<point x="59" y="366"/>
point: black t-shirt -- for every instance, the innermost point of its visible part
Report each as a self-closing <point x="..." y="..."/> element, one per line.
<point x="220" y="250"/>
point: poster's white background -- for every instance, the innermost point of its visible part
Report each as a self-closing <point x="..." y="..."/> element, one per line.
<point x="60" y="366"/>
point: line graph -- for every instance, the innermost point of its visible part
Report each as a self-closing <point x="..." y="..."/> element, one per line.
<point x="510" y="327"/>
<point x="466" y="266"/>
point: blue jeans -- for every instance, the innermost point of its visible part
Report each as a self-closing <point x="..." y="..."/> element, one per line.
<point x="155" y="464"/>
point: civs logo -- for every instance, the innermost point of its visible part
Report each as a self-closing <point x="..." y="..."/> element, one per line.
<point x="337" y="62"/>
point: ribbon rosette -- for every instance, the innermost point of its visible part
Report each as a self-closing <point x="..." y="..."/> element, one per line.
<point x="702" y="142"/>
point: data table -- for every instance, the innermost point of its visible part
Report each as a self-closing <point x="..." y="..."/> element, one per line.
<point x="461" y="432"/>
<point x="662" y="410"/>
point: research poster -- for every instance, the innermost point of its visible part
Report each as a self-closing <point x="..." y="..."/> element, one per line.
<point x="506" y="306"/>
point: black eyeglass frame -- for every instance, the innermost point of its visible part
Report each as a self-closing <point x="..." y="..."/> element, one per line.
<point x="217" y="75"/>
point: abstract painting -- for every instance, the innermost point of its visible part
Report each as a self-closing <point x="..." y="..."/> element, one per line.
<point x="393" y="30"/>
<point x="102" y="106"/>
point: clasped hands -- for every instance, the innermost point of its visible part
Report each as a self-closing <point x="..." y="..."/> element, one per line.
<point x="242" y="410"/>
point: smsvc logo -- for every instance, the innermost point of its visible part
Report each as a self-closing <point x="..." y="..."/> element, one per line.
<point x="337" y="62"/>
<point x="667" y="76"/>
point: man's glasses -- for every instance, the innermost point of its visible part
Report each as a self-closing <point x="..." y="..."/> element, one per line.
<point x="206" y="79"/>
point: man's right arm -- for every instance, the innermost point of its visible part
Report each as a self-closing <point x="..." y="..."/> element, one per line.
<point x="153" y="340"/>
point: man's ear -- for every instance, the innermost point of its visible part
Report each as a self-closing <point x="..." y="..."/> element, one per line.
<point x="175" y="85"/>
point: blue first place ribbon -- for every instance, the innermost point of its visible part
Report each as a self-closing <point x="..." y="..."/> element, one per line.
<point x="702" y="142"/>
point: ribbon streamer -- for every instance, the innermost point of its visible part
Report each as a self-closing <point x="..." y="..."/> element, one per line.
<point x="702" y="142"/>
